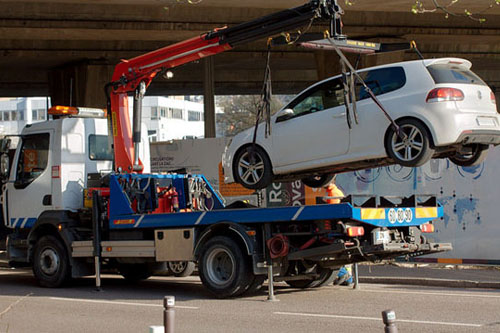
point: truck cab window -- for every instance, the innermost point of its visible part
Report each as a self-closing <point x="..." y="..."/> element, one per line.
<point x="33" y="159"/>
<point x="99" y="148"/>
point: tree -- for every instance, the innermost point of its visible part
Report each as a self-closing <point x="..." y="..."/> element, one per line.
<point x="447" y="9"/>
<point x="240" y="112"/>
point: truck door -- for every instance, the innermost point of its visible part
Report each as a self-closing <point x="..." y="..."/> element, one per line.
<point x="29" y="190"/>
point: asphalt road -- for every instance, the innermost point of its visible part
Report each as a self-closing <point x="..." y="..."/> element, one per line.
<point x="124" y="307"/>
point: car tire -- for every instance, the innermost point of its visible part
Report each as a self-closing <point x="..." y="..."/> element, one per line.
<point x="252" y="168"/>
<point x="412" y="151"/>
<point x="477" y="156"/>
<point x="181" y="268"/>
<point x="224" y="269"/>
<point x="51" y="264"/>
<point x="318" y="181"/>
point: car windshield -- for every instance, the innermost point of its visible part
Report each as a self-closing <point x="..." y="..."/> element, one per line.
<point x="449" y="73"/>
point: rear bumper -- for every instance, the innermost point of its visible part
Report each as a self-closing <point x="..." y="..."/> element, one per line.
<point x="480" y="136"/>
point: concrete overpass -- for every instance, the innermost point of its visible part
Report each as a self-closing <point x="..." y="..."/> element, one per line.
<point x="69" y="47"/>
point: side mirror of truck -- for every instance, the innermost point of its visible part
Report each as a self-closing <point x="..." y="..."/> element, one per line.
<point x="4" y="166"/>
<point x="5" y="145"/>
<point x="284" y="115"/>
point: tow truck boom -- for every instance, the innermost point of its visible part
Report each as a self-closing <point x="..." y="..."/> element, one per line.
<point x="135" y="75"/>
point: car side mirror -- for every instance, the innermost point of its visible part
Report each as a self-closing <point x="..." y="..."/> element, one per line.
<point x="284" y="114"/>
<point x="4" y="166"/>
<point x="4" y="145"/>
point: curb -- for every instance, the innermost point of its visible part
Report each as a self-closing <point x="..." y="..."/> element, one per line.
<point x="431" y="282"/>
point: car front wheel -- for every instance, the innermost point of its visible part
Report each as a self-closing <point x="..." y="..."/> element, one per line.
<point x="412" y="148"/>
<point x="475" y="157"/>
<point x="252" y="168"/>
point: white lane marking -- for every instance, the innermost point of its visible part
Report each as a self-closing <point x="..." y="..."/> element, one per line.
<point x="398" y="320"/>
<point x="138" y="221"/>
<point x="118" y="303"/>
<point x="298" y="213"/>
<point x="200" y="218"/>
<point x="429" y="293"/>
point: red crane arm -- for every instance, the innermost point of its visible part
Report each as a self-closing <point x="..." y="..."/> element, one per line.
<point x="136" y="74"/>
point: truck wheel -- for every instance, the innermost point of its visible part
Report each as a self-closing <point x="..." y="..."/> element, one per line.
<point x="135" y="272"/>
<point x="223" y="267"/>
<point x="256" y="284"/>
<point x="181" y="268"/>
<point x="326" y="276"/>
<point x="50" y="262"/>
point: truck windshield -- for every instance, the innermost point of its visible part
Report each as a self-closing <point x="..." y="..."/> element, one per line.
<point x="99" y="148"/>
<point x="449" y="73"/>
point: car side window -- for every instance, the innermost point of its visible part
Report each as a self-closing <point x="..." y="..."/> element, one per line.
<point x="33" y="159"/>
<point x="381" y="81"/>
<point x="324" y="96"/>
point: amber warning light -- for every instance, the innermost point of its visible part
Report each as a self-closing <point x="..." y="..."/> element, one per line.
<point x="77" y="112"/>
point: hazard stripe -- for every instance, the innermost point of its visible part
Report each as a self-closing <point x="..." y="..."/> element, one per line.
<point x="426" y="212"/>
<point x="373" y="214"/>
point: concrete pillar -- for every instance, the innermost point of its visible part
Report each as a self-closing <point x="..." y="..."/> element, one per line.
<point x="209" y="97"/>
<point x="79" y="85"/>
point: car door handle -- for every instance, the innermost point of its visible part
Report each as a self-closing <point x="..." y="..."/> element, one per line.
<point x="340" y="115"/>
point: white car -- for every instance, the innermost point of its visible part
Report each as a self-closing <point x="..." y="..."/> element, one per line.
<point x="441" y="106"/>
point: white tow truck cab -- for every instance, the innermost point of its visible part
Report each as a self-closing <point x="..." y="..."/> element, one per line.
<point x="50" y="167"/>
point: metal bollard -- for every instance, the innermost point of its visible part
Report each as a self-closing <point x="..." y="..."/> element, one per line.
<point x="169" y="314"/>
<point x="389" y="318"/>
<point x="356" y="276"/>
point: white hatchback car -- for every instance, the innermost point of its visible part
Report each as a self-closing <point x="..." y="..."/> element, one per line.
<point x="442" y="107"/>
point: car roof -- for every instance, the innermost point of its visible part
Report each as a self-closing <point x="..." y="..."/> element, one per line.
<point x="426" y="62"/>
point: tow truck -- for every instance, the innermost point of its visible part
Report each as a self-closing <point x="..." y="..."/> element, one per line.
<point x="77" y="199"/>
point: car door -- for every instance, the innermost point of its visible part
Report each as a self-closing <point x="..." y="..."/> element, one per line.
<point x="30" y="185"/>
<point x="367" y="137"/>
<point x="316" y="130"/>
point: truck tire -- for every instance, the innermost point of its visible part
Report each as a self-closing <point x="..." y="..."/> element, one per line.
<point x="255" y="285"/>
<point x="326" y="276"/>
<point x="181" y="268"/>
<point x="51" y="262"/>
<point x="135" y="272"/>
<point x="224" y="269"/>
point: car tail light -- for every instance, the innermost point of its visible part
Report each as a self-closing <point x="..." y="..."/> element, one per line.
<point x="492" y="96"/>
<point x="427" y="228"/>
<point x="444" y="95"/>
<point x="355" y="231"/>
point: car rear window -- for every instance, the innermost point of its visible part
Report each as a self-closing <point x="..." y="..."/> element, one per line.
<point x="381" y="81"/>
<point x="448" y="73"/>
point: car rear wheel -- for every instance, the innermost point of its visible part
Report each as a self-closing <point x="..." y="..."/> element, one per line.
<point x="475" y="157"/>
<point x="318" y="181"/>
<point x="413" y="149"/>
<point x="252" y="168"/>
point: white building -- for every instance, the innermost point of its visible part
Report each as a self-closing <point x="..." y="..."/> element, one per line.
<point x="171" y="119"/>
<point x="166" y="118"/>
<point x="15" y="113"/>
